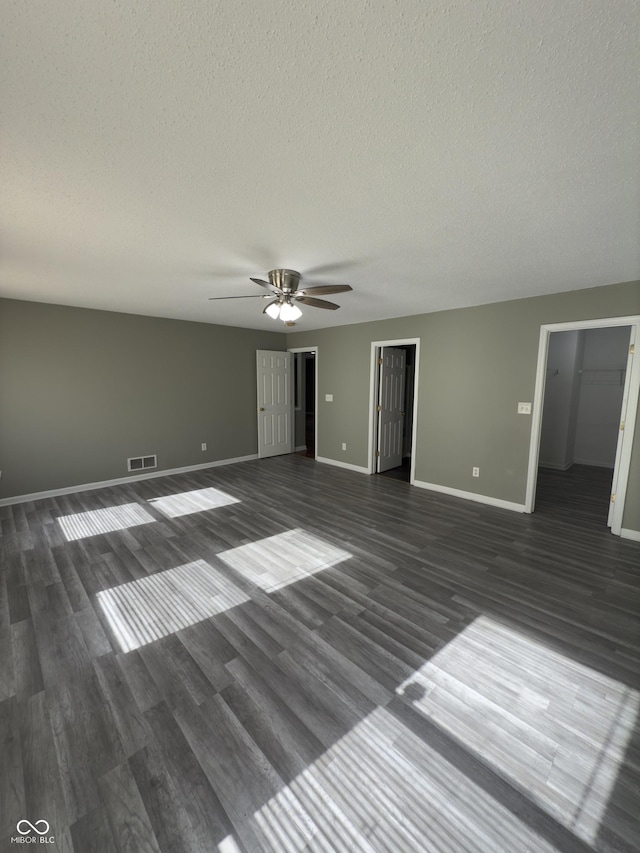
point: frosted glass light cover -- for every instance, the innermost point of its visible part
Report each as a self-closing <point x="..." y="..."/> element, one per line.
<point x="273" y="310"/>
<point x="289" y="313"/>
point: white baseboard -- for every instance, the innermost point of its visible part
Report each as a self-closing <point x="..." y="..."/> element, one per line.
<point x="359" y="468"/>
<point x="470" y="496"/>
<point x="627" y="533"/>
<point x="87" y="487"/>
<point x="592" y="464"/>
<point x="299" y="448"/>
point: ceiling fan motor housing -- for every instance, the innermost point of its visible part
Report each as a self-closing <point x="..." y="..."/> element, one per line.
<point x="286" y="280"/>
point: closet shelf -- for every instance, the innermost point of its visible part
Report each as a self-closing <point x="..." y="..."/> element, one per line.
<point x="603" y="376"/>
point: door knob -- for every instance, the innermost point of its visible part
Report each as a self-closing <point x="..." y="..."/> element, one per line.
<point x="261" y="409"/>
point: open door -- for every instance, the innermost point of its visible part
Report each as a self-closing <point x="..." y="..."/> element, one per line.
<point x="390" y="408"/>
<point x="623" y="417"/>
<point x="275" y="409"/>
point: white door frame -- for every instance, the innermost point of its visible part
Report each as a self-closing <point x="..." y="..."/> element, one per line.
<point x="633" y="380"/>
<point x="315" y="416"/>
<point x="373" y="401"/>
<point x="392" y="421"/>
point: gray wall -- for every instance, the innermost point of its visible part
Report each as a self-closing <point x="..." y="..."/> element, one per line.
<point x="81" y="391"/>
<point x="632" y="505"/>
<point x="602" y="373"/>
<point x="561" y="398"/>
<point x="476" y="364"/>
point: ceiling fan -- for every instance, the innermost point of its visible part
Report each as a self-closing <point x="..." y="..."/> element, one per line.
<point x="284" y="293"/>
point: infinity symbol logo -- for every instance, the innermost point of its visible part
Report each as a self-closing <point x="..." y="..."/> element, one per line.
<point x="31" y="827"/>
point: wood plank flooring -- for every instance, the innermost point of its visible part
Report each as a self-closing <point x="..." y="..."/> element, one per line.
<point x="404" y="671"/>
<point x="579" y="496"/>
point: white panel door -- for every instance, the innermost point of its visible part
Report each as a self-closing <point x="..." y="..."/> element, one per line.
<point x="275" y="409"/>
<point x="623" y="418"/>
<point x="391" y="408"/>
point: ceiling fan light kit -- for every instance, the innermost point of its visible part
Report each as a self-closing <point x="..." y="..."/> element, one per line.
<point x="289" y="312"/>
<point x="283" y="285"/>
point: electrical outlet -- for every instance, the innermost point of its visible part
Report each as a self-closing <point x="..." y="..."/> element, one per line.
<point x="203" y="446"/>
<point x="475" y="472"/>
<point x="328" y="398"/>
<point x="344" y="445"/>
<point x="524" y="408"/>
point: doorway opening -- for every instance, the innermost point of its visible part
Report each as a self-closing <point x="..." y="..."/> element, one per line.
<point x="585" y="407"/>
<point x="581" y="415"/>
<point x="305" y="368"/>
<point x="393" y="418"/>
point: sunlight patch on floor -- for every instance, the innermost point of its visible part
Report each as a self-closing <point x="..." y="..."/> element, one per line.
<point x="229" y="845"/>
<point x="97" y="521"/>
<point x="149" y="608"/>
<point x="196" y="500"/>
<point x="381" y="787"/>
<point x="277" y="561"/>
<point x="153" y="607"/>
<point x="555" y="727"/>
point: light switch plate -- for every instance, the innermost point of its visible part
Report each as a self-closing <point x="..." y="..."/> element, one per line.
<point x="524" y="408"/>
<point x="328" y="398"/>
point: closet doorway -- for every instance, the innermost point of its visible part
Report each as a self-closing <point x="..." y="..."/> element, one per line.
<point x="584" y="414"/>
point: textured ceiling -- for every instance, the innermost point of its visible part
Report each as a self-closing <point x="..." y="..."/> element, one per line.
<point x="432" y="155"/>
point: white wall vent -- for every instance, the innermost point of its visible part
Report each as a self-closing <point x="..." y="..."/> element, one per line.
<point x="141" y="463"/>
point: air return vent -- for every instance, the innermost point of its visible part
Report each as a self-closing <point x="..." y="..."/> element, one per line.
<point x="141" y="463"/>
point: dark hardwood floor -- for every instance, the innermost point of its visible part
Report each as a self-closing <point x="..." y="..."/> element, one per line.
<point x="280" y="655"/>
<point x="579" y="497"/>
<point x="402" y="472"/>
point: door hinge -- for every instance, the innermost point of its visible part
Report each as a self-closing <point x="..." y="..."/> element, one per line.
<point x="622" y="425"/>
<point x="379" y="361"/>
<point x="632" y="349"/>
<point x="378" y="408"/>
<point x="377" y="453"/>
<point x="613" y="499"/>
